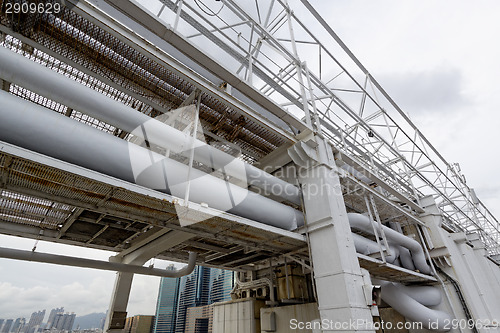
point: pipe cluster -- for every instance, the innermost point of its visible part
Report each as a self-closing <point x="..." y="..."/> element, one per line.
<point x="412" y="302"/>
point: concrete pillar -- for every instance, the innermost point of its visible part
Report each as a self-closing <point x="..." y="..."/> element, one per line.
<point x="117" y="311"/>
<point x="338" y="277"/>
<point x="4" y="85"/>
<point x="466" y="264"/>
<point x="137" y="254"/>
<point x="433" y="220"/>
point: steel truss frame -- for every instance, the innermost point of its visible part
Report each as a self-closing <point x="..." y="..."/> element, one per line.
<point x="287" y="51"/>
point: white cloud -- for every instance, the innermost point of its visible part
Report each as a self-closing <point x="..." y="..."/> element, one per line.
<point x="439" y="57"/>
<point x="438" y="90"/>
<point x="143" y="295"/>
<point x="26" y="287"/>
<point x="81" y="297"/>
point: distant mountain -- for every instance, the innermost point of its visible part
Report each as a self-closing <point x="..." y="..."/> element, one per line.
<point x="93" y="320"/>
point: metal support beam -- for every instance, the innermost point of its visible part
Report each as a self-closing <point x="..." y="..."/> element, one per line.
<point x="207" y="247"/>
<point x="275" y="160"/>
<point x="5" y="177"/>
<point x="69" y="221"/>
<point x="189" y="99"/>
<point x="153" y="52"/>
<point x="145" y="238"/>
<point x="223" y="254"/>
<point x="97" y="234"/>
<point x="162" y="242"/>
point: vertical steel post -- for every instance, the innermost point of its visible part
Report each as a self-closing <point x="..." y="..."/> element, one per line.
<point x="191" y="156"/>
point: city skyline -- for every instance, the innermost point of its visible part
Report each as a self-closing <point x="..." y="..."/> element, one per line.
<point x="203" y="287"/>
<point x="58" y="320"/>
<point x="28" y="286"/>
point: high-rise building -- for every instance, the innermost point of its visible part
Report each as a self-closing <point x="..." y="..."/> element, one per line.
<point x="69" y="322"/>
<point x="35" y="322"/>
<point x="202" y="287"/>
<point x="52" y="316"/>
<point x="18" y="325"/>
<point x="64" y="321"/>
<point x="6" y="326"/>
<point x="166" y="306"/>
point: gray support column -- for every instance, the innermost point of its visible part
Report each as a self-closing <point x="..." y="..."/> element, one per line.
<point x="338" y="277"/>
<point x="465" y="264"/>
<point x="5" y="85"/>
<point x="432" y="219"/>
<point x="117" y="311"/>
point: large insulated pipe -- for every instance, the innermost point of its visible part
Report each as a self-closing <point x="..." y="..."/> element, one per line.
<point x="425" y="295"/>
<point x="405" y="258"/>
<point x="19" y="70"/>
<point x="366" y="246"/>
<point x="411" y="301"/>
<point x="404" y="254"/>
<point x="412" y="309"/>
<point x="37" y="128"/>
<point x="363" y="223"/>
<point x="97" y="264"/>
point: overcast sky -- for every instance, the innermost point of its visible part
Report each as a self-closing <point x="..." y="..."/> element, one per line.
<point x="437" y="59"/>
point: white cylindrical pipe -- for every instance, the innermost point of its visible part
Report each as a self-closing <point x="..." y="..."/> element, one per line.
<point x="97" y="264"/>
<point x="19" y="70"/>
<point x="393" y="295"/>
<point x="34" y="127"/>
<point x="366" y="246"/>
<point x="405" y="258"/>
<point x="363" y="223"/>
<point x="404" y="254"/>
<point x="425" y="295"/>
